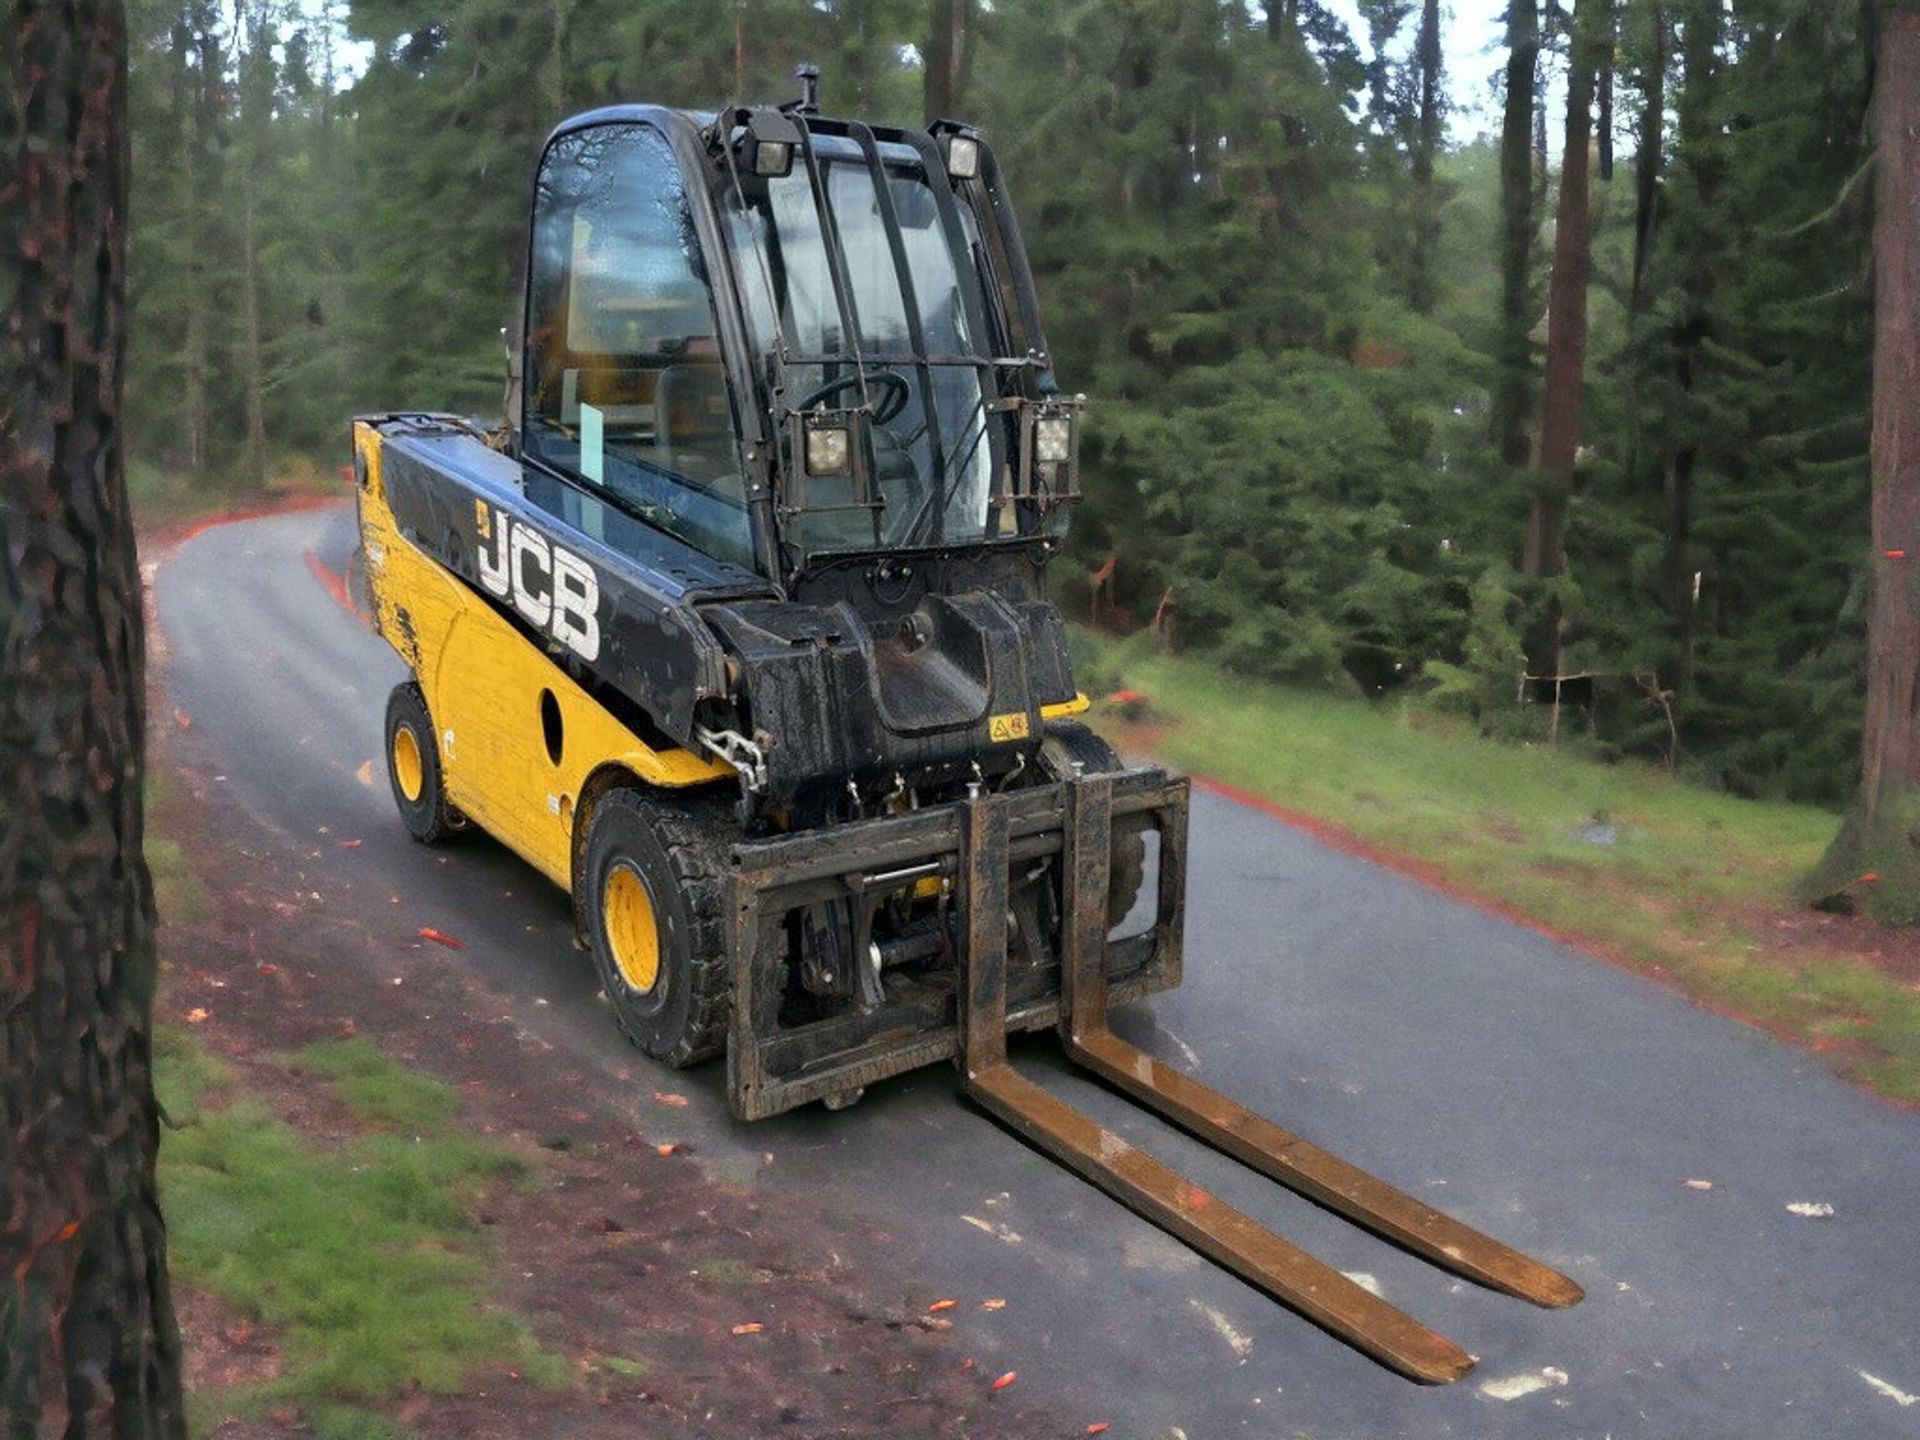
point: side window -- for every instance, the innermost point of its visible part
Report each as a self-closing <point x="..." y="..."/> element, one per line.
<point x="624" y="386"/>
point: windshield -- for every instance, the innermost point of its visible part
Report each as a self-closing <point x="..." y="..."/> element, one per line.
<point x="932" y="463"/>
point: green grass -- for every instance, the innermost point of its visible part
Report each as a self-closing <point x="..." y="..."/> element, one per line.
<point x="363" y="1258"/>
<point x="726" y="1272"/>
<point x="378" y="1091"/>
<point x="1687" y="885"/>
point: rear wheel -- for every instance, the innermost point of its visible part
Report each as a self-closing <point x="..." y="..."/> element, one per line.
<point x="413" y="768"/>
<point x="651" y="897"/>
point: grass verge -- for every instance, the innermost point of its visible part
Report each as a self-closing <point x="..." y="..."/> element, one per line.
<point x="1668" y="876"/>
<point x="363" y="1257"/>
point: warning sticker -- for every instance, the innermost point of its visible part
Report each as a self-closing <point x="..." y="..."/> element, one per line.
<point x="1011" y="726"/>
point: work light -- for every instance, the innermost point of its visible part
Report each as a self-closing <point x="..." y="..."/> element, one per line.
<point x="1053" y="439"/>
<point x="828" y="450"/>
<point x="772" y="158"/>
<point x="963" y="157"/>
<point x="763" y="143"/>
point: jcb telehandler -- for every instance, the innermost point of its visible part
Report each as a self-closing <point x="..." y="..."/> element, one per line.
<point x="737" y="629"/>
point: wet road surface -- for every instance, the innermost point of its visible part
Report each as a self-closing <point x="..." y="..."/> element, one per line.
<point x="1535" y="1093"/>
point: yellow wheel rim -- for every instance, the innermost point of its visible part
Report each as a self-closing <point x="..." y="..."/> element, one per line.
<point x="631" y="933"/>
<point x="408" y="768"/>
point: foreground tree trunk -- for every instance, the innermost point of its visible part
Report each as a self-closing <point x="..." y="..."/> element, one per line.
<point x="88" y="1345"/>
<point x="1878" y="837"/>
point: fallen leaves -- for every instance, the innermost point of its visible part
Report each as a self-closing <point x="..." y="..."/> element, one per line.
<point x="752" y="1327"/>
<point x="348" y="844"/>
<point x="427" y="932"/>
<point x="1811" y="1209"/>
<point x="671" y="1147"/>
<point x="937" y="1306"/>
<point x="183" y="720"/>
<point x="677" y="1102"/>
<point x="1698" y="1184"/>
<point x="365" y="774"/>
<point x="993" y="1304"/>
<point x="197" y="1014"/>
<point x="999" y="1232"/>
<point x="1006" y="1380"/>
<point x="1099" y="1427"/>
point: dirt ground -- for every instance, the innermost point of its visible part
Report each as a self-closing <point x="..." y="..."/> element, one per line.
<point x="604" y="1259"/>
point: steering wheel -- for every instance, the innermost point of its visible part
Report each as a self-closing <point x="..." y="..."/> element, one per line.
<point x="893" y="398"/>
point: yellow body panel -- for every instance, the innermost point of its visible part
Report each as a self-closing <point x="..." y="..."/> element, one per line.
<point x="484" y="682"/>
<point x="1076" y="706"/>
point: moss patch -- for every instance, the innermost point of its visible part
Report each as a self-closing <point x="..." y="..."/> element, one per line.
<point x="364" y="1258"/>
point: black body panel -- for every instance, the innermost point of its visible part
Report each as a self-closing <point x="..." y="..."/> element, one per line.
<point x="877" y="670"/>
<point x="654" y="649"/>
<point x="924" y="692"/>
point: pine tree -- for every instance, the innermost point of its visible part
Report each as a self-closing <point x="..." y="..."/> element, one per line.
<point x="1877" y="837"/>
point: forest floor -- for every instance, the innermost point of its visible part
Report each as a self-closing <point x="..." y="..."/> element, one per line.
<point x="374" y="1234"/>
<point x="344" y="1188"/>
<point x="1622" y="861"/>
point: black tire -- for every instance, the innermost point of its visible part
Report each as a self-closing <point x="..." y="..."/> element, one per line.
<point x="1069" y="743"/>
<point x="413" y="768"/>
<point x="677" y="850"/>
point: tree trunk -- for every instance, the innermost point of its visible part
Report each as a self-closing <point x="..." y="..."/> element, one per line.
<point x="936" y="85"/>
<point x="250" y="353"/>
<point x="88" y="1345"/>
<point x="1700" y="160"/>
<point x="1426" y="237"/>
<point x="1603" y="131"/>
<point x="1646" y="198"/>
<point x="1512" y="400"/>
<point x="1877" y="837"/>
<point x="1647" y="158"/>
<point x="1566" y="313"/>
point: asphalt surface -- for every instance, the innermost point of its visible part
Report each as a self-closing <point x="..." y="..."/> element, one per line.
<point x="1544" y="1097"/>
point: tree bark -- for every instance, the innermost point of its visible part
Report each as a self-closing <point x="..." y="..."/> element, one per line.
<point x="1566" y="313"/>
<point x="948" y="53"/>
<point x="1427" y="58"/>
<point x="1647" y="156"/>
<point x="1512" y="400"/>
<point x="1700" y="160"/>
<point x="1877" y="837"/>
<point x="88" y="1345"/>
<point x="1647" y="164"/>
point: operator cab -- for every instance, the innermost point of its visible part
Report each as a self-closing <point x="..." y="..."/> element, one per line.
<point x="792" y="343"/>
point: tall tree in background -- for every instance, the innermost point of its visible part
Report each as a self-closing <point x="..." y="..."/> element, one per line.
<point x="1700" y="165"/>
<point x="1878" y="836"/>
<point x="947" y="57"/>
<point x="1545" y="554"/>
<point x="1426" y="198"/>
<point x="1513" y="388"/>
<point x="88" y="1345"/>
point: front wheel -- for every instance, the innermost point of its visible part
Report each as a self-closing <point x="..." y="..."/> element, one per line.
<point x="1070" y="748"/>
<point x="650" y="895"/>
<point x="413" y="768"/>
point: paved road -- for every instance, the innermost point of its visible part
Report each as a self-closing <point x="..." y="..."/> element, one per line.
<point x="1537" y="1094"/>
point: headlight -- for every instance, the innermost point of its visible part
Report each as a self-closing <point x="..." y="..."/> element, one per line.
<point x="1053" y="440"/>
<point x="963" y="157"/>
<point x="772" y="158"/>
<point x="827" y="450"/>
